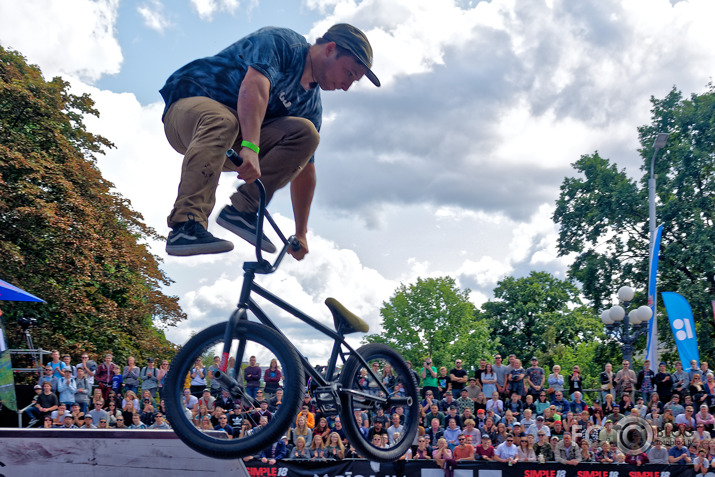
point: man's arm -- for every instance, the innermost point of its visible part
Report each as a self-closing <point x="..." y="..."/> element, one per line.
<point x="251" y="108"/>
<point x="302" y="188"/>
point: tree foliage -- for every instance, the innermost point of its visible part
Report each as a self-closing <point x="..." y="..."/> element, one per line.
<point x="532" y="314"/>
<point x="433" y="317"/>
<point x="65" y="235"/>
<point x="603" y="214"/>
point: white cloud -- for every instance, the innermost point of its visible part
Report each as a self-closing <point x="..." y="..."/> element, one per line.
<point x="154" y="16"/>
<point x="207" y="8"/>
<point x="72" y="37"/>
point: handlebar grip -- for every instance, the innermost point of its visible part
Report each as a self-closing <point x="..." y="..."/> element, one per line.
<point x="234" y="157"/>
<point x="295" y="244"/>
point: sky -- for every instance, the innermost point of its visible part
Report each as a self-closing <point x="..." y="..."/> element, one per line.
<point x="452" y="167"/>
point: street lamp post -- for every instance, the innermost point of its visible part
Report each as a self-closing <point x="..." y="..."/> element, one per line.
<point x="626" y="326"/>
<point x="658" y="144"/>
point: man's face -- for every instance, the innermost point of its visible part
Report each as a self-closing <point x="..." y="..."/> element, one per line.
<point x="567" y="440"/>
<point x="252" y="360"/>
<point x="108" y="358"/>
<point x="462" y="441"/>
<point x="55" y="356"/>
<point x="626" y="364"/>
<point x="46" y="388"/>
<point x="558" y="395"/>
<point x="458" y="364"/>
<point x="396" y="420"/>
<point x="338" y="72"/>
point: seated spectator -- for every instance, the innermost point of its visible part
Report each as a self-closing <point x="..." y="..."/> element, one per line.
<point x="700" y="463"/>
<point x="102" y="424"/>
<point x="136" y="422"/>
<point x="309" y="416"/>
<point x="273" y="453"/>
<point x="452" y="414"/>
<point x="434" y="433"/>
<point x="605" y="455"/>
<point x="443" y="457"/>
<point x="495" y="404"/>
<point x="463" y="451"/>
<point x="119" y="422"/>
<point x="77" y="414"/>
<point x="562" y="405"/>
<point x="507" y="451"/>
<point x="527" y="419"/>
<point x="700" y="433"/>
<point x="88" y="422"/>
<point x="423" y="451"/>
<point x="577" y="405"/>
<point x="334" y="449"/>
<point x="317" y="448"/>
<point x="396" y="427"/>
<point x="67" y="423"/>
<point x="543" y="446"/>
<point x="208" y="400"/>
<point x="147" y="415"/>
<point x="451" y="433"/>
<point x="485" y="451"/>
<point x="678" y="454"/>
<point x="526" y="451"/>
<point x="534" y="429"/>
<point x="32" y="412"/>
<point x="608" y="434"/>
<point x="47" y="402"/>
<point x="658" y="454"/>
<point x="567" y="452"/>
<point x="223" y="425"/>
<point x="300" y="451"/>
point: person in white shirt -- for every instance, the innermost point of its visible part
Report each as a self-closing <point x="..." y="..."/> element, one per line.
<point x="507" y="451"/>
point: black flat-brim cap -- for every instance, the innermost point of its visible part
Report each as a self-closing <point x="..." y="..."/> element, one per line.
<point x="354" y="40"/>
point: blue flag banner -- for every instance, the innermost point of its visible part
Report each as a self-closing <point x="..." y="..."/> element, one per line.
<point x="652" y="348"/>
<point x="682" y="323"/>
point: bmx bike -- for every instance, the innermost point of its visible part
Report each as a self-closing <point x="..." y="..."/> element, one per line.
<point x="355" y="382"/>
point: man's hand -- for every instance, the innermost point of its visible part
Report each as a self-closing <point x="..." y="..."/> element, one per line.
<point x="300" y="253"/>
<point x="249" y="170"/>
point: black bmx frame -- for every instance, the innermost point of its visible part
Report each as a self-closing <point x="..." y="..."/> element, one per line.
<point x="341" y="349"/>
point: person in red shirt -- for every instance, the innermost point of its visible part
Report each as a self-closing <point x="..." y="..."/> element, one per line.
<point x="485" y="451"/>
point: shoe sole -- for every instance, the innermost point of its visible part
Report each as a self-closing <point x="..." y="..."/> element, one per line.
<point x="199" y="249"/>
<point x="246" y="235"/>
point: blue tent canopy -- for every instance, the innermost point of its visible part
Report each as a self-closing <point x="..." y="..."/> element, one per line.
<point x="10" y="292"/>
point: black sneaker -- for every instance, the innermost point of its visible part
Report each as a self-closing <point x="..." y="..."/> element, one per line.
<point x="243" y="224"/>
<point x="191" y="238"/>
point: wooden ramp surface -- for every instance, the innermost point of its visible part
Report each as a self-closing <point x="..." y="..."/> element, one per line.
<point x="105" y="453"/>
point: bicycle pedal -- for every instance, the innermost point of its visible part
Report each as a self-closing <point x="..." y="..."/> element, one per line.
<point x="328" y="400"/>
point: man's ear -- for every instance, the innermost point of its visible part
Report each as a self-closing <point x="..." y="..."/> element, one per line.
<point x="329" y="48"/>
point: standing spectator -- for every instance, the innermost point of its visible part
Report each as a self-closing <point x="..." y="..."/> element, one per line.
<point x="479" y="371"/>
<point x="575" y="381"/>
<point x="117" y="380"/>
<point x="67" y="359"/>
<point x="606" y="378"/>
<point x="489" y="380"/>
<point x="681" y="379"/>
<point x="161" y="375"/>
<point x="645" y="383"/>
<point x="663" y="383"/>
<point x="252" y="376"/>
<point x="57" y="365"/>
<point x="84" y="387"/>
<point x="104" y="374"/>
<point x="535" y="377"/>
<point x="428" y="373"/>
<point x="90" y="367"/>
<point x="67" y="387"/>
<point x="130" y="376"/>
<point x="516" y="379"/>
<point x="215" y="386"/>
<point x="500" y="371"/>
<point x="457" y="378"/>
<point x="443" y="383"/>
<point x="271" y="378"/>
<point x="556" y="380"/>
<point x="625" y="380"/>
<point x="150" y="381"/>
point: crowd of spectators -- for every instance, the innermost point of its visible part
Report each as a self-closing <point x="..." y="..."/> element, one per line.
<point x="500" y="412"/>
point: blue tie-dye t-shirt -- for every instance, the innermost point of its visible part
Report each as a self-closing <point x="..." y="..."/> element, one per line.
<point x="277" y="53"/>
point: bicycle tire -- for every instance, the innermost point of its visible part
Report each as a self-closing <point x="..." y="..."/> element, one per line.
<point x="376" y="352"/>
<point x="258" y="337"/>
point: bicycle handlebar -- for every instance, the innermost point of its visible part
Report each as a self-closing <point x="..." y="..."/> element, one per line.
<point x="263" y="266"/>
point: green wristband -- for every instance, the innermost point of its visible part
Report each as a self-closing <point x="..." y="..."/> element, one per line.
<point x="251" y="146"/>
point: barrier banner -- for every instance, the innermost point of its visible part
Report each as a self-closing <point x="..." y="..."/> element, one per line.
<point x="421" y="468"/>
<point x="682" y="323"/>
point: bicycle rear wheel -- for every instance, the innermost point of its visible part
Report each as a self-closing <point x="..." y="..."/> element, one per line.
<point x="356" y="397"/>
<point x="252" y="339"/>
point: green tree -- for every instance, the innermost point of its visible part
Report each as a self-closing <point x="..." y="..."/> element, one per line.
<point x="530" y="315"/>
<point x="433" y="317"/>
<point x="65" y="235"/>
<point x="603" y="214"/>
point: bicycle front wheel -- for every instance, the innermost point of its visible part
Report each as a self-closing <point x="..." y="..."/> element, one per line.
<point x="360" y="397"/>
<point x="241" y="433"/>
